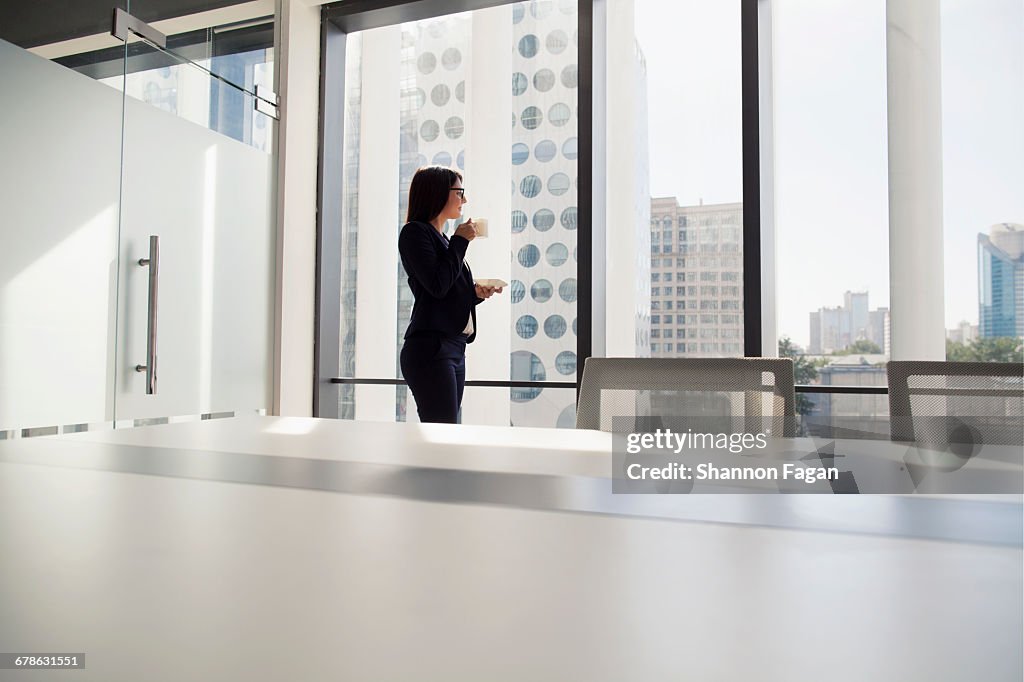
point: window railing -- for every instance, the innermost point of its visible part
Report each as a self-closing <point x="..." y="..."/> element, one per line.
<point x="800" y="388"/>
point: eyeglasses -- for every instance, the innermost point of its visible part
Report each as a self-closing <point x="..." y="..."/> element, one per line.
<point x="461" y="191"/>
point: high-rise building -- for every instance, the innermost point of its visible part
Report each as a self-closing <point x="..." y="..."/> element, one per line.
<point x="857" y="305"/>
<point x="1001" y="281"/>
<point x="830" y="329"/>
<point x="835" y="329"/>
<point x="696" y="279"/>
<point x="544" y="210"/>
<point x="878" y="329"/>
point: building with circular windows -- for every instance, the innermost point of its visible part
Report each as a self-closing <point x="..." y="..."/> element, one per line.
<point x="544" y="170"/>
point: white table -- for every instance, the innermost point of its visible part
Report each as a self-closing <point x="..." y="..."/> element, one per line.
<point x="181" y="574"/>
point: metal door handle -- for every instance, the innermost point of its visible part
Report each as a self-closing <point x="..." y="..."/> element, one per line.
<point x="154" y="290"/>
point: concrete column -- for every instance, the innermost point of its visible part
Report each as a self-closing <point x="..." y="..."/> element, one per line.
<point x="298" y="71"/>
<point x="625" y="187"/>
<point x="487" y="177"/>
<point x="916" y="283"/>
<point x="379" y="221"/>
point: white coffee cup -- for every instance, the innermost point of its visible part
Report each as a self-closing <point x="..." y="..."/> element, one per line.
<point x="481" y="226"/>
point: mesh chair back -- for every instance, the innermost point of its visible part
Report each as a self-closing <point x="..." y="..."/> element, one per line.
<point x="685" y="387"/>
<point x="943" y="402"/>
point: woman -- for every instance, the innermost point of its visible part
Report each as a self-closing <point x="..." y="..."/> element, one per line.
<point x="444" y="313"/>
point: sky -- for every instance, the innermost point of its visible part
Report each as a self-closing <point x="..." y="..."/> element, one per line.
<point x="831" y="193"/>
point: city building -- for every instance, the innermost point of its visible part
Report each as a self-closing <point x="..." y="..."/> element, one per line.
<point x="965" y="332"/>
<point x="1001" y="281"/>
<point x="878" y="328"/>
<point x="543" y="326"/>
<point x="852" y="411"/>
<point x="696" y="279"/>
<point x="835" y="329"/>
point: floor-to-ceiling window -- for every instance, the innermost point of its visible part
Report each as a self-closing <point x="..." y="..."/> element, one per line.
<point x="982" y="84"/>
<point x="493" y="94"/>
<point x="831" y="199"/>
<point x="670" y="143"/>
<point x="688" y="114"/>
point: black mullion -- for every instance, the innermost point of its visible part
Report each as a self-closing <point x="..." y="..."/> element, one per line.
<point x="585" y="188"/>
<point x="848" y="390"/>
<point x="330" y="162"/>
<point x="751" y="181"/>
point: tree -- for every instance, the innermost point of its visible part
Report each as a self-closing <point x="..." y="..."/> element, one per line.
<point x="804" y="372"/>
<point x="860" y="347"/>
<point x="998" y="349"/>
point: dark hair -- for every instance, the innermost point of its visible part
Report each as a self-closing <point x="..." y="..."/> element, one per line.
<point x="429" y="192"/>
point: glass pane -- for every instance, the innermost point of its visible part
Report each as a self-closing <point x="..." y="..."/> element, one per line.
<point x="478" y="402"/>
<point x="234" y="42"/>
<point x="208" y="196"/>
<point x="64" y="270"/>
<point x="59" y="183"/>
<point x="831" y="192"/>
<point x="179" y="80"/>
<point x="822" y="412"/>
<point x="543" y="250"/>
<point x="443" y="91"/>
<point x="983" y="205"/>
<point x="689" y="70"/>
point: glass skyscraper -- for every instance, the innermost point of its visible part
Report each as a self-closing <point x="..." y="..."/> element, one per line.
<point x="1001" y="281"/>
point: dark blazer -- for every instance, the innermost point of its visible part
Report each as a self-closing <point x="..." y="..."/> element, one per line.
<point x="440" y="280"/>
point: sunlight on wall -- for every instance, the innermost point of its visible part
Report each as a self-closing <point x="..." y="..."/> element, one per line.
<point x="55" y="332"/>
<point x="206" y="273"/>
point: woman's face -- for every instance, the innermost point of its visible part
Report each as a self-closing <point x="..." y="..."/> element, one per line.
<point x="453" y="209"/>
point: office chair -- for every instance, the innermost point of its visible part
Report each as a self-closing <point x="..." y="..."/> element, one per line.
<point x="656" y="388"/>
<point x="947" y="402"/>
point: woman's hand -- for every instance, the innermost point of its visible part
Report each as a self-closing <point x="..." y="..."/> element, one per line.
<point x="466" y="230"/>
<point x="486" y="292"/>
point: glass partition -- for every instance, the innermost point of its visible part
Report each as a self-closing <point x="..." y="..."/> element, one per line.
<point x="59" y="185"/>
<point x="197" y="177"/>
<point x="107" y="143"/>
<point x="208" y="77"/>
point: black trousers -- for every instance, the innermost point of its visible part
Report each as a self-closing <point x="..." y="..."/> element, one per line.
<point x="435" y="368"/>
